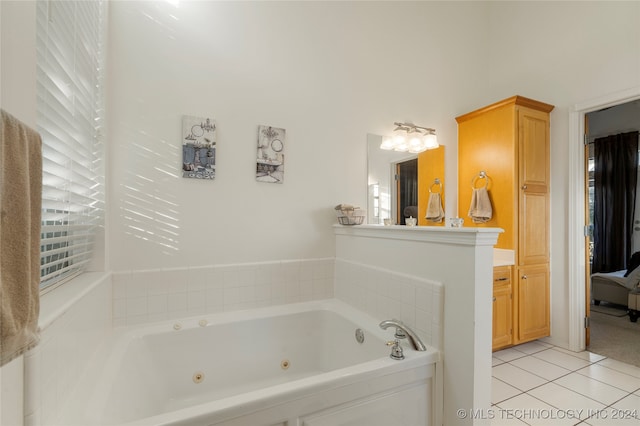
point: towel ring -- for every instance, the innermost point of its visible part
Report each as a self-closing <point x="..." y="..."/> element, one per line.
<point x="436" y="182"/>
<point x="481" y="175"/>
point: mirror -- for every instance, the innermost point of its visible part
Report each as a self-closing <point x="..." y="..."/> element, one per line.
<point x="389" y="197"/>
<point x="384" y="199"/>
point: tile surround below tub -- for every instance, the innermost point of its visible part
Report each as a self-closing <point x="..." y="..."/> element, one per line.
<point x="154" y="295"/>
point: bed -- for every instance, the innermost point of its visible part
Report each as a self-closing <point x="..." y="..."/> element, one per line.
<point x="610" y="287"/>
<point x="614" y="287"/>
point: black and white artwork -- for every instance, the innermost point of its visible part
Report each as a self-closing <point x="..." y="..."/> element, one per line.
<point x="198" y="147"/>
<point x="270" y="165"/>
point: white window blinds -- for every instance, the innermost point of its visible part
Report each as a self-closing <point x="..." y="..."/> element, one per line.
<point x="70" y="115"/>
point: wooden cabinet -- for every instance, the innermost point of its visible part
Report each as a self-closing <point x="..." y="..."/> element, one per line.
<point x="502" y="307"/>
<point x="533" y="309"/>
<point x="533" y="187"/>
<point x="509" y="141"/>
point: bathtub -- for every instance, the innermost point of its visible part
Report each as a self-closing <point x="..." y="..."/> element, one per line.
<point x="297" y="364"/>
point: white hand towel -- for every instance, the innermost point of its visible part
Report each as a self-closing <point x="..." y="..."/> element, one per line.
<point x="480" y="210"/>
<point x="435" y="213"/>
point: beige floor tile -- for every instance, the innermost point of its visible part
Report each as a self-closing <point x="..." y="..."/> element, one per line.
<point x="591" y="388"/>
<point x="561" y="359"/>
<point x="509" y="354"/>
<point x="496" y="361"/>
<point x="517" y="377"/>
<point x="532" y="411"/>
<point x="532" y="347"/>
<point x="586" y="355"/>
<point x="540" y="367"/>
<point x="501" y="391"/>
<point x="504" y="420"/>
<point x="573" y="404"/>
<point x="621" y="366"/>
<point x="611" y="377"/>
<point x="625" y="412"/>
<point x="540" y="384"/>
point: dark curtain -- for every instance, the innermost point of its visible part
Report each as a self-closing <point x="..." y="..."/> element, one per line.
<point x="615" y="180"/>
<point x="408" y="187"/>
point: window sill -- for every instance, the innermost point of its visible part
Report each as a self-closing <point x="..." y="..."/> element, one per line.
<point x="56" y="302"/>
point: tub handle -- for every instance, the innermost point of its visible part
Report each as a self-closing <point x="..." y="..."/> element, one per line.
<point x="396" y="350"/>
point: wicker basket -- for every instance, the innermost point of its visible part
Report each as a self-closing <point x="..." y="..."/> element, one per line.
<point x="350" y="217"/>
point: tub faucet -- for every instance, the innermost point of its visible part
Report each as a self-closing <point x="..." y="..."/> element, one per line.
<point x="403" y="331"/>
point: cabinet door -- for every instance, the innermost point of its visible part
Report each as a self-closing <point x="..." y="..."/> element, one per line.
<point x="533" y="232"/>
<point x="502" y="317"/>
<point x="502" y="307"/>
<point x="533" y="302"/>
<point x="533" y="135"/>
<point x="533" y="181"/>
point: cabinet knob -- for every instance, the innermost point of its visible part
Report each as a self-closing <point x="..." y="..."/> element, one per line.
<point x="524" y="277"/>
<point x="524" y="187"/>
<point x="494" y="298"/>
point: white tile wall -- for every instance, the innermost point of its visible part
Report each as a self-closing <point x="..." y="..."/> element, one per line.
<point x="11" y="393"/>
<point x="67" y="344"/>
<point x="387" y="294"/>
<point x="151" y="295"/>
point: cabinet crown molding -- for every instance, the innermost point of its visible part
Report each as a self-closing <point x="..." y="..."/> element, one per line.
<point x="514" y="100"/>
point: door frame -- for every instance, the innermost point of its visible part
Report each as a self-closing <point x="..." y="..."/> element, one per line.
<point x="395" y="213"/>
<point x="576" y="215"/>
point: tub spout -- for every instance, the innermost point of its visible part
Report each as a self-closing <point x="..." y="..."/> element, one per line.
<point x="402" y="330"/>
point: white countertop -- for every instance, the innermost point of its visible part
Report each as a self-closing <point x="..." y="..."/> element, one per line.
<point x="503" y="257"/>
<point x="438" y="234"/>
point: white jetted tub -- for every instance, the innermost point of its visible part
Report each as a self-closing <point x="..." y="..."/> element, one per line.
<point x="282" y="365"/>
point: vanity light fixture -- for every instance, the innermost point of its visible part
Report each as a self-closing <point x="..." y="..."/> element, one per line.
<point x="407" y="137"/>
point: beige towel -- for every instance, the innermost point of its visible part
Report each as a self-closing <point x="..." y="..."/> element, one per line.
<point x="480" y="210"/>
<point x="435" y="213"/>
<point x="20" y="203"/>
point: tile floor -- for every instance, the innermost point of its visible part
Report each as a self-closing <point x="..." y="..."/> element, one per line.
<point x="540" y="384"/>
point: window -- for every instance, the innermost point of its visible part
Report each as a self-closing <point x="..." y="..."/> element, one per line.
<point x="376" y="201"/>
<point x="70" y="117"/>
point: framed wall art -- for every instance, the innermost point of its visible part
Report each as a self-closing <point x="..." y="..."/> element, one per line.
<point x="270" y="163"/>
<point x="198" y="147"/>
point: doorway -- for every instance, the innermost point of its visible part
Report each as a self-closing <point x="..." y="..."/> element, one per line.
<point x="612" y="179"/>
<point x="406" y="177"/>
<point x="576" y="229"/>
